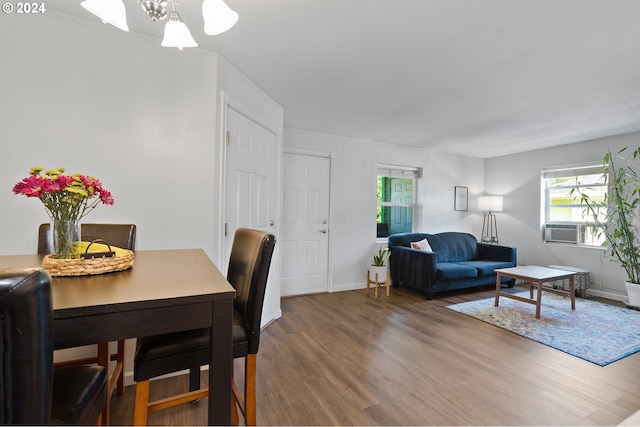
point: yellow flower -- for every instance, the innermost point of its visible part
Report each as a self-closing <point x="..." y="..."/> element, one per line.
<point x="80" y="193"/>
<point x="53" y="173"/>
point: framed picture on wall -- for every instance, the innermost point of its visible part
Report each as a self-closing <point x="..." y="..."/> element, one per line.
<point x="461" y="199"/>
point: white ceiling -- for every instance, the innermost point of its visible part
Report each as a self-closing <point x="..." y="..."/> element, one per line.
<point x="475" y="77"/>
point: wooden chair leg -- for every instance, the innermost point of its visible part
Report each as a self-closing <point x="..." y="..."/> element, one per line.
<point x="250" y="389"/>
<point x="142" y="406"/>
<point x="103" y="360"/>
<point x="142" y="401"/>
<point x="235" y="420"/>
<point x="120" y="389"/>
<point x="234" y="402"/>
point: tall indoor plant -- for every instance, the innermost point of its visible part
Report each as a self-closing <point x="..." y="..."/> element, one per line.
<point x="621" y="202"/>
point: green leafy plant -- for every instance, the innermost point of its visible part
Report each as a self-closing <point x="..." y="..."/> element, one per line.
<point x="380" y="258"/>
<point x="621" y="203"/>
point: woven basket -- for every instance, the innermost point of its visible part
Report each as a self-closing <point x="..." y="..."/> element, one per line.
<point x="88" y="266"/>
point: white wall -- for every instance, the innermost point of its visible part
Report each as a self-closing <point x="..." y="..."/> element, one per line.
<point x="517" y="177"/>
<point x="116" y="105"/>
<point x="353" y="227"/>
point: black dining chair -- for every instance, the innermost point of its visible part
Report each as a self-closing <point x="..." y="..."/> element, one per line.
<point x="119" y="235"/>
<point x="248" y="271"/>
<point x="32" y="391"/>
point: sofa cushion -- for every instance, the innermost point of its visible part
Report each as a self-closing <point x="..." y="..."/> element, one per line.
<point x="486" y="268"/>
<point x="453" y="246"/>
<point x="454" y="271"/>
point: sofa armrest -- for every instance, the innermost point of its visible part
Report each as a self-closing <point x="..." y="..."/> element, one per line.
<point x="497" y="253"/>
<point x="414" y="268"/>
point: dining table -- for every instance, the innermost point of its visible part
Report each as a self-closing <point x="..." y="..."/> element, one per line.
<point x="164" y="291"/>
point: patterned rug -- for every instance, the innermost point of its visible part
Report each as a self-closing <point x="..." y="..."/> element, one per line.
<point x="596" y="332"/>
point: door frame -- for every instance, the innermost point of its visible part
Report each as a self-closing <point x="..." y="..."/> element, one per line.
<point x="226" y="102"/>
<point x="331" y="157"/>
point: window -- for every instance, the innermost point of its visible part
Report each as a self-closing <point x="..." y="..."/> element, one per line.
<point x="565" y="208"/>
<point x="396" y="199"/>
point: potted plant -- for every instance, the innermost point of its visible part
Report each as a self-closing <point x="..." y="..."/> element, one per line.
<point x="379" y="264"/>
<point x="620" y="205"/>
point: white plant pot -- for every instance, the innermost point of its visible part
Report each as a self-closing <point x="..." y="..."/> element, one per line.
<point x="633" y="291"/>
<point x="380" y="270"/>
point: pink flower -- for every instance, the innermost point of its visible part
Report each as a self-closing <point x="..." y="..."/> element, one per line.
<point x="106" y="197"/>
<point x="90" y="183"/>
<point x="32" y="186"/>
<point x="64" y="196"/>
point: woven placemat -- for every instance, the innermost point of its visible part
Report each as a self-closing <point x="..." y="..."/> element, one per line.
<point x="87" y="266"/>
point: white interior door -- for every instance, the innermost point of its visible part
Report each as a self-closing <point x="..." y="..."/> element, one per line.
<point x="250" y="190"/>
<point x="304" y="239"/>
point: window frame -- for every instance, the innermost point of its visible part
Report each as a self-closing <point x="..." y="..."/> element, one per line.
<point x="572" y="171"/>
<point x="406" y="172"/>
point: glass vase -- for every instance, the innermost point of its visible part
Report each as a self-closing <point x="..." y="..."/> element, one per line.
<point x="65" y="236"/>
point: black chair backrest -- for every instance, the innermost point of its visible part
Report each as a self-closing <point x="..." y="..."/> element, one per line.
<point x="248" y="272"/>
<point x="26" y="365"/>
<point x="119" y="235"/>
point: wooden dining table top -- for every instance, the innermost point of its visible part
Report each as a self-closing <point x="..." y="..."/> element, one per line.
<point x="156" y="275"/>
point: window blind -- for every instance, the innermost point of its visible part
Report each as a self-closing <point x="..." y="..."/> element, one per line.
<point x="398" y="171"/>
<point x="575" y="170"/>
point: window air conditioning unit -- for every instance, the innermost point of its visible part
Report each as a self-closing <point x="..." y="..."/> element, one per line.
<point x="564" y="233"/>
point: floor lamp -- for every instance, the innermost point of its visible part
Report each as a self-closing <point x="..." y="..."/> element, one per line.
<point x="490" y="204"/>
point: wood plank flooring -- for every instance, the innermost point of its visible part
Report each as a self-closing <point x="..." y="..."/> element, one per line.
<point x="350" y="359"/>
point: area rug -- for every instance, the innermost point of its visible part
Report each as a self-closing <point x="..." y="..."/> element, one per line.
<point x="597" y="332"/>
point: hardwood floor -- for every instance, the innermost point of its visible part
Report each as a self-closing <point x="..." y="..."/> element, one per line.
<point x="351" y="359"/>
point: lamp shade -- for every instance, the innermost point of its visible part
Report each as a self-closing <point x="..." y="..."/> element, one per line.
<point x="176" y="33"/>
<point x="218" y="17"/>
<point x="110" y="11"/>
<point x="490" y="203"/>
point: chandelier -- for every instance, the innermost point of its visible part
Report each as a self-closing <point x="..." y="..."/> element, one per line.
<point x="218" y="18"/>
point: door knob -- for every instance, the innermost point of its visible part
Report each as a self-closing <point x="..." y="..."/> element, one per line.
<point x="323" y="231"/>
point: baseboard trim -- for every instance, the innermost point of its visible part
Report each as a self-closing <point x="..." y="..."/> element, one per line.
<point x="608" y="295"/>
<point x="349" y="287"/>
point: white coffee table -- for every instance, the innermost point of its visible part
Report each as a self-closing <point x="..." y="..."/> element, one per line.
<point x="536" y="276"/>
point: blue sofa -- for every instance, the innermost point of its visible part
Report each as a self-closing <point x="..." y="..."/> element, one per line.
<point x="457" y="261"/>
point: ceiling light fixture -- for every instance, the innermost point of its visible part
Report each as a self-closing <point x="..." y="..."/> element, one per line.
<point x="218" y="18"/>
<point x="176" y="33"/>
<point x="157" y="10"/>
<point x="110" y="11"/>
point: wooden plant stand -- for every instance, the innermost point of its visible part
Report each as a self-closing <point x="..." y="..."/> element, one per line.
<point x="377" y="281"/>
